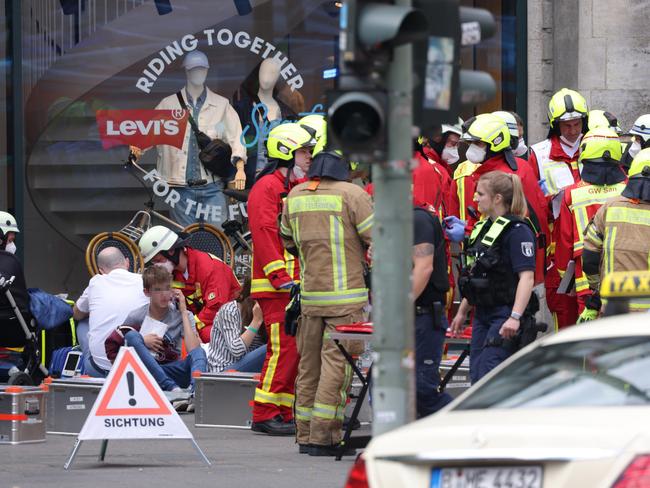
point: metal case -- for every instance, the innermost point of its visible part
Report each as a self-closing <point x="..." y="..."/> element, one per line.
<point x="224" y="399"/>
<point x="22" y="414"/>
<point x="460" y="381"/>
<point x="71" y="400"/>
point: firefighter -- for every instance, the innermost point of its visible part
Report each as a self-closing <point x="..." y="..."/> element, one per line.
<point x="602" y="178"/>
<point x="640" y="133"/>
<point x="327" y="222"/>
<point x="618" y="237"/>
<point x="555" y="164"/>
<point x="205" y="280"/>
<point x="499" y="277"/>
<point x="489" y="147"/>
<point x="274" y="273"/>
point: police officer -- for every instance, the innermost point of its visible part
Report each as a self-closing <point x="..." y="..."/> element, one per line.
<point x="500" y="277"/>
<point x="429" y="285"/>
<point x="617" y="237"/>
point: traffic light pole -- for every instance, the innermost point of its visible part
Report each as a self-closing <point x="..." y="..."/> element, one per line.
<point x="392" y="243"/>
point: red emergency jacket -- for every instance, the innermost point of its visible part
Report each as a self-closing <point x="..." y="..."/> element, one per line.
<point x="273" y="267"/>
<point x="209" y="284"/>
<point x="580" y="203"/>
<point x="431" y="183"/>
<point x="534" y="196"/>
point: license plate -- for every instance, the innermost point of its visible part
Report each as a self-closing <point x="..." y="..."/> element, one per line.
<point x="488" y="477"/>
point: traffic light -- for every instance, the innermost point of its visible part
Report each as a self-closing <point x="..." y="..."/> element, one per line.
<point x="358" y="107"/>
<point x="441" y="87"/>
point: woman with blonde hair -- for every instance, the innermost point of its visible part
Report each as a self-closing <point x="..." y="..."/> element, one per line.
<point x="498" y="277"/>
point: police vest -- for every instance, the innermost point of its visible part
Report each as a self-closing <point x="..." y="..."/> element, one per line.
<point x="485" y="281"/>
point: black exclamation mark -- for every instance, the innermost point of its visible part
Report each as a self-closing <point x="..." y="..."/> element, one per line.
<point x="129" y="380"/>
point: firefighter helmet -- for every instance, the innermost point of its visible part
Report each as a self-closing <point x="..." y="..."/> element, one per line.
<point x="600" y="118"/>
<point x="8" y="223"/>
<point x="566" y="105"/>
<point x="641" y="127"/>
<point x="640" y="163"/>
<point x="490" y="129"/>
<point x="285" y="139"/>
<point x="600" y="144"/>
<point x="158" y="239"/>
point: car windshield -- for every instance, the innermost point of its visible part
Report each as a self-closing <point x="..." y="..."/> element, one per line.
<point x="598" y="372"/>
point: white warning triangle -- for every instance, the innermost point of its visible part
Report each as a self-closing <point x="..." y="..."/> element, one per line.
<point x="131" y="405"/>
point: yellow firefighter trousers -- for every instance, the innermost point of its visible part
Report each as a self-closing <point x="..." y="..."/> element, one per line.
<point x="324" y="379"/>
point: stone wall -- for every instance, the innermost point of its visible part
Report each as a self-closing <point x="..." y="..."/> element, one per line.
<point x="599" y="47"/>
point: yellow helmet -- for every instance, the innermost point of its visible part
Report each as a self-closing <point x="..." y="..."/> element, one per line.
<point x="640" y="162"/>
<point x="320" y="144"/>
<point x="285" y="139"/>
<point x="566" y="105"/>
<point x="314" y="124"/>
<point x="600" y="118"/>
<point x="490" y="129"/>
<point x="600" y="144"/>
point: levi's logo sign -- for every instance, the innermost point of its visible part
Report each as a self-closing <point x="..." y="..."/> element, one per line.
<point x="141" y="128"/>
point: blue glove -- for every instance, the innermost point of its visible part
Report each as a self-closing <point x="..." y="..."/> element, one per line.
<point x="455" y="228"/>
<point x="286" y="286"/>
<point x="543" y="186"/>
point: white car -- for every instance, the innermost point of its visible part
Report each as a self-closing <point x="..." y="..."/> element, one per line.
<point x="570" y="410"/>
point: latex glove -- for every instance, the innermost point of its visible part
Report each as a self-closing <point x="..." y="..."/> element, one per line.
<point x="587" y="315"/>
<point x="543" y="186"/>
<point x="455" y="228"/>
<point x="287" y="286"/>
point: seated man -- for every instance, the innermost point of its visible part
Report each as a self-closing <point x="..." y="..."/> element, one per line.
<point x="107" y="300"/>
<point x="160" y="351"/>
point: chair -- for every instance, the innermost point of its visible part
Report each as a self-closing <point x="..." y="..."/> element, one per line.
<point x="113" y="239"/>
<point x="208" y="238"/>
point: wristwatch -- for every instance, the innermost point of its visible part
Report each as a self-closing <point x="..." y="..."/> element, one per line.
<point x="515" y="315"/>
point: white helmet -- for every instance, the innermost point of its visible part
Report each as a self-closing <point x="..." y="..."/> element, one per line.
<point x="641" y="127"/>
<point x="8" y="223"/>
<point x="158" y="239"/>
<point x="510" y="121"/>
<point x="454" y="129"/>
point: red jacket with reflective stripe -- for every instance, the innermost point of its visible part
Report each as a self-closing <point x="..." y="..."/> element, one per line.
<point x="273" y="267"/>
<point x="580" y="203"/>
<point x="210" y="283"/>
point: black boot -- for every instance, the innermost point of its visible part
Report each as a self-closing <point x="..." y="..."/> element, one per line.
<point x="274" y="426"/>
<point x="316" y="450"/>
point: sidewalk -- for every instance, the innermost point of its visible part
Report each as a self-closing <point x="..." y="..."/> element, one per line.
<point x="239" y="458"/>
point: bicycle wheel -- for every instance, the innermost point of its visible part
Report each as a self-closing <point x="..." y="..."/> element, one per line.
<point x="243" y="259"/>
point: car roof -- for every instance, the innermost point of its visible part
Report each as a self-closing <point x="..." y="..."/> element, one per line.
<point x="637" y="323"/>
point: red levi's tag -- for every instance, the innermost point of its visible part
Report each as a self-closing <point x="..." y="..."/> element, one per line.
<point x="141" y="128"/>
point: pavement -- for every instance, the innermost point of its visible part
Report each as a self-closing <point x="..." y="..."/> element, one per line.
<point x="238" y="457"/>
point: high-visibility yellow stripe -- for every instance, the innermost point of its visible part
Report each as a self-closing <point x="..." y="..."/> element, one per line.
<point x="280" y="399"/>
<point x="262" y="285"/>
<point x="198" y="323"/>
<point x="315" y="203"/>
<point x="355" y="295"/>
<point x="343" y="393"/>
<point x="593" y="235"/>
<point x="628" y="215"/>
<point x="324" y="411"/>
<point x="582" y="283"/>
<point x="461" y="198"/>
<point x="337" y="245"/>
<point x="290" y="262"/>
<point x="610" y="240"/>
<point x="274" y="343"/>
<point x="303" y="413"/>
<point x="273" y="266"/>
<point x="365" y="224"/>
<point x="284" y="230"/>
<point x="582" y="219"/>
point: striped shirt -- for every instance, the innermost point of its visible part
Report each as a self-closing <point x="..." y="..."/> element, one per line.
<point x="226" y="346"/>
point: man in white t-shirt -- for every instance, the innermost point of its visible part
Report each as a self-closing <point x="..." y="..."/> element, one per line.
<point x="107" y="300"/>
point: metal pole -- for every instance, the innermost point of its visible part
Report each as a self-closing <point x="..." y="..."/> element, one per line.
<point x="102" y="450"/>
<point x="77" y="445"/>
<point x="392" y="243"/>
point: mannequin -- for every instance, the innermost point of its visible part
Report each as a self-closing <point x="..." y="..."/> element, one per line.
<point x="259" y="108"/>
<point x="199" y="192"/>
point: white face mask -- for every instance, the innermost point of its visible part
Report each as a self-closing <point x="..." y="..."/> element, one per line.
<point x="635" y="147"/>
<point x="197" y="76"/>
<point x="450" y="154"/>
<point x="298" y="173"/>
<point x="521" y="149"/>
<point x="168" y="265"/>
<point x="476" y="154"/>
<point x="10" y="248"/>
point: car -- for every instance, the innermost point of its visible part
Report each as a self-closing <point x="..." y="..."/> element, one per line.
<point x="569" y="410"/>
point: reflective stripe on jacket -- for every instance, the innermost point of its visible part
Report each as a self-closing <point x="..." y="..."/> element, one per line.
<point x="330" y="223"/>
